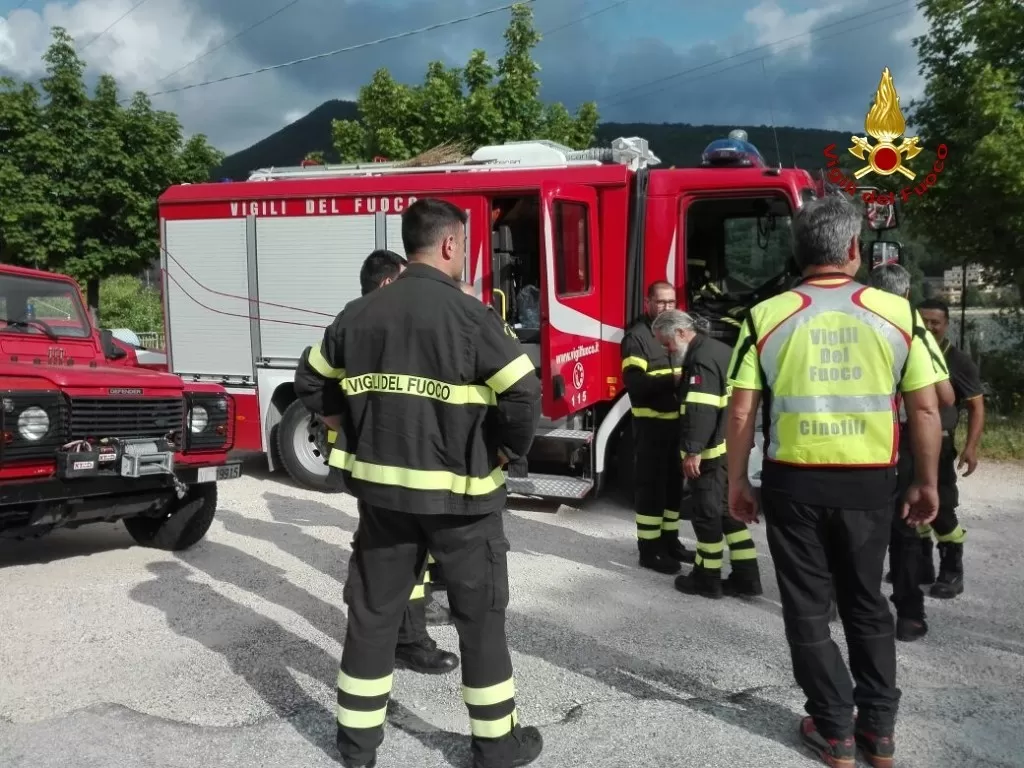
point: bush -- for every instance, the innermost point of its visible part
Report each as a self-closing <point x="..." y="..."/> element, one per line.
<point x="126" y="303"/>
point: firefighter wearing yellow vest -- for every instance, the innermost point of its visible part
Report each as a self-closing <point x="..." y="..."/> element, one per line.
<point x="437" y="398"/>
<point x="829" y="358"/>
<point x="416" y="650"/>
<point x="704" y="400"/>
<point x="651" y="383"/>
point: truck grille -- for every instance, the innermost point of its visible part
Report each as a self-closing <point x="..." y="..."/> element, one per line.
<point x="113" y="417"/>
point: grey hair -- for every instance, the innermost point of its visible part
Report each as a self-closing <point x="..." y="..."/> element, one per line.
<point x="671" y="321"/>
<point x="891" y="278"/>
<point x="823" y="230"/>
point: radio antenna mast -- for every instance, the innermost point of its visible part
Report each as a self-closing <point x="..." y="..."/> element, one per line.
<point x="771" y="112"/>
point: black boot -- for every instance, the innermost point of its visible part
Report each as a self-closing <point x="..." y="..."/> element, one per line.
<point x="909" y="630"/>
<point x="744" y="581"/>
<point x="652" y="555"/>
<point x="674" y="549"/>
<point x="426" y="658"/>
<point x="927" y="561"/>
<point x="519" y="748"/>
<point x="951" y="572"/>
<point x="701" y="581"/>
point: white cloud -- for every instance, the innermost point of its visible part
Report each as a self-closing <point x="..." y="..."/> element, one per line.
<point x="146" y="46"/>
<point x="773" y="23"/>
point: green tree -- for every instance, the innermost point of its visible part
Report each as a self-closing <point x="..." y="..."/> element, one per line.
<point x="80" y="174"/>
<point x="126" y="303"/>
<point x="476" y="105"/>
<point x="971" y="59"/>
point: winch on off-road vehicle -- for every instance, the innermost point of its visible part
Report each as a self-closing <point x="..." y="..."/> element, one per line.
<point x="84" y="439"/>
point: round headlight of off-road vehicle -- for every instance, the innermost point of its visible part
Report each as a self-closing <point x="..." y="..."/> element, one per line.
<point x="33" y="423"/>
<point x="198" y="418"/>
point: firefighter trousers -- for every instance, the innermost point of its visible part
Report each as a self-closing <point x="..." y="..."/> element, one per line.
<point x="946" y="525"/>
<point x="656" y="478"/>
<point x="413" y="630"/>
<point x="714" y="528"/>
<point x="387" y="562"/>
<point x="812" y="546"/>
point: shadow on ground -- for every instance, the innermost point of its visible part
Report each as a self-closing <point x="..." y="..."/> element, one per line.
<point x="92" y="539"/>
<point x="556" y="644"/>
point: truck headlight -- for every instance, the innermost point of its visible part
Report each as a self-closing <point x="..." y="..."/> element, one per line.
<point x="33" y="423"/>
<point x="198" y="418"/>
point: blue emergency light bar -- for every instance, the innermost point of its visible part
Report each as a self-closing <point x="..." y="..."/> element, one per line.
<point x="733" y="152"/>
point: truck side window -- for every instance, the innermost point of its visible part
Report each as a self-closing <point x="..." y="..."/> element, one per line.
<point x="572" y="257"/>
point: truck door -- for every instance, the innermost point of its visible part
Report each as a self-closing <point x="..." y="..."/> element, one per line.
<point x="571" y="298"/>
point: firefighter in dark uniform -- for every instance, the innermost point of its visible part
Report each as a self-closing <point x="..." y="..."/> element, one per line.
<point x="966" y="381"/>
<point x="651" y="383"/>
<point x="829" y="358"/>
<point x="905" y="548"/>
<point x="704" y="401"/>
<point x="416" y="650"/>
<point x="436" y="399"/>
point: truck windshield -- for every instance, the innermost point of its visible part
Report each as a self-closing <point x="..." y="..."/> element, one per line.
<point x="41" y="307"/>
<point x="736" y="245"/>
<point x="756" y="250"/>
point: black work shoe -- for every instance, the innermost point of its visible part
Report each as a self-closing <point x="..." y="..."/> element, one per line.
<point x="425" y="658"/>
<point x="838" y="753"/>
<point x="652" y="556"/>
<point x="353" y="764"/>
<point x="947" y="586"/>
<point x="437" y="614"/>
<point x="909" y="630"/>
<point x="741" y="584"/>
<point x="950" y="582"/>
<point x="879" y="751"/>
<point x="676" y="551"/>
<point x="700" y="582"/>
<point x="519" y="748"/>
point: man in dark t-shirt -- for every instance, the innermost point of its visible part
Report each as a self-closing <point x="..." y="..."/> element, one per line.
<point x="966" y="381"/>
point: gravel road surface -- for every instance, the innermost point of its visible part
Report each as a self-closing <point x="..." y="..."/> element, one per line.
<point x="114" y="656"/>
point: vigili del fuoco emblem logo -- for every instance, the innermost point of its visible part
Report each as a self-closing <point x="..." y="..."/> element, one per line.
<point x="885" y="124"/>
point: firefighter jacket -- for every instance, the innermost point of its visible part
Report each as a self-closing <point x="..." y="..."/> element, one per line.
<point x="704" y="398"/>
<point x="648" y="374"/>
<point x="432" y="389"/>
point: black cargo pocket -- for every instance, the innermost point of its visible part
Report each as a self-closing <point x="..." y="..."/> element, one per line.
<point x="497" y="552"/>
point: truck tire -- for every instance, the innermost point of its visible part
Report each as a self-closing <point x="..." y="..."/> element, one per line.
<point x="173" y="532"/>
<point x="297" y="447"/>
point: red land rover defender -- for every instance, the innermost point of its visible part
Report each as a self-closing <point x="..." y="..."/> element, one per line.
<point x="84" y="439"/>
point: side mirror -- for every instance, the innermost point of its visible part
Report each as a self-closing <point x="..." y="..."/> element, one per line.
<point x="885" y="252"/>
<point x="110" y="348"/>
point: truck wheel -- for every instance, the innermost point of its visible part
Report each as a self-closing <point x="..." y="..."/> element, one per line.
<point x="297" y="447"/>
<point x="183" y="524"/>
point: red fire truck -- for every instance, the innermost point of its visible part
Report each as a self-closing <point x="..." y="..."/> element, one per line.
<point x="563" y="243"/>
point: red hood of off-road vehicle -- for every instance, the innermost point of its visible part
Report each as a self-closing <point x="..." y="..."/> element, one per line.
<point x="77" y="366"/>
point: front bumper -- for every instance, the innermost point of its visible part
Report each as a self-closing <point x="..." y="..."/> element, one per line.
<point x="30" y="492"/>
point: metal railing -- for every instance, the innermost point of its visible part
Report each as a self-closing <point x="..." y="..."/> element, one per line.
<point x="151" y="340"/>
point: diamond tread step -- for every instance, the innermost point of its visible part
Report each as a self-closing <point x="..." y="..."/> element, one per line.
<point x="572" y="435"/>
<point x="549" y="486"/>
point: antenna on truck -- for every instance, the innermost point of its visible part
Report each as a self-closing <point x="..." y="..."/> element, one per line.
<point x="634" y="153"/>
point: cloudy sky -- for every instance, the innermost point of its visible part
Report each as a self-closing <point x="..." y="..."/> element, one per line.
<point x="695" y="61"/>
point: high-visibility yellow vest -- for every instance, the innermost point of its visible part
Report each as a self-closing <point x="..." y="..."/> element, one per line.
<point x="832" y="355"/>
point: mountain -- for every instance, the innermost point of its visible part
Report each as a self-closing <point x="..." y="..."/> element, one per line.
<point x="677" y="144"/>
